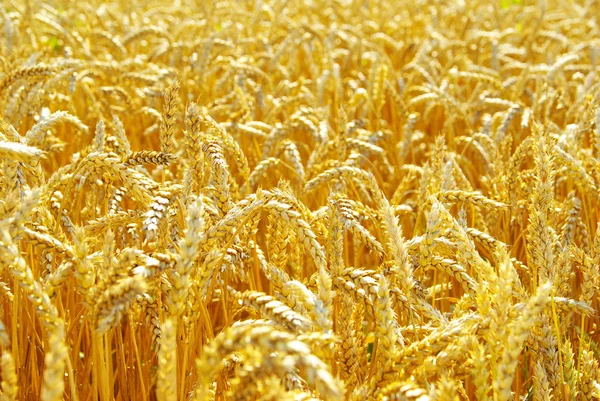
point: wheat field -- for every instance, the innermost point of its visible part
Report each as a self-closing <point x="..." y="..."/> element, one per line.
<point x="299" y="200"/>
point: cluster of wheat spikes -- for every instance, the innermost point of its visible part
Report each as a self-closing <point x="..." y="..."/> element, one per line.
<point x="299" y="200"/>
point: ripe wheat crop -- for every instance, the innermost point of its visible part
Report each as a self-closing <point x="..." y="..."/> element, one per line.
<point x="299" y="200"/>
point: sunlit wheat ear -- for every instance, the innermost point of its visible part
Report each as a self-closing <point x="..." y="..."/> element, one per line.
<point x="167" y="362"/>
<point x="115" y="301"/>
<point x="9" y="384"/>
<point x="167" y="127"/>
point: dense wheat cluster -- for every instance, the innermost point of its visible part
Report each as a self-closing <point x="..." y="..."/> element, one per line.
<point x="299" y="200"/>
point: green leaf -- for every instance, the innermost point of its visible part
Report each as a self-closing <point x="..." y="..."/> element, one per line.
<point x="54" y="43"/>
<point x="370" y="350"/>
<point x="519" y="27"/>
<point x="504" y="4"/>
